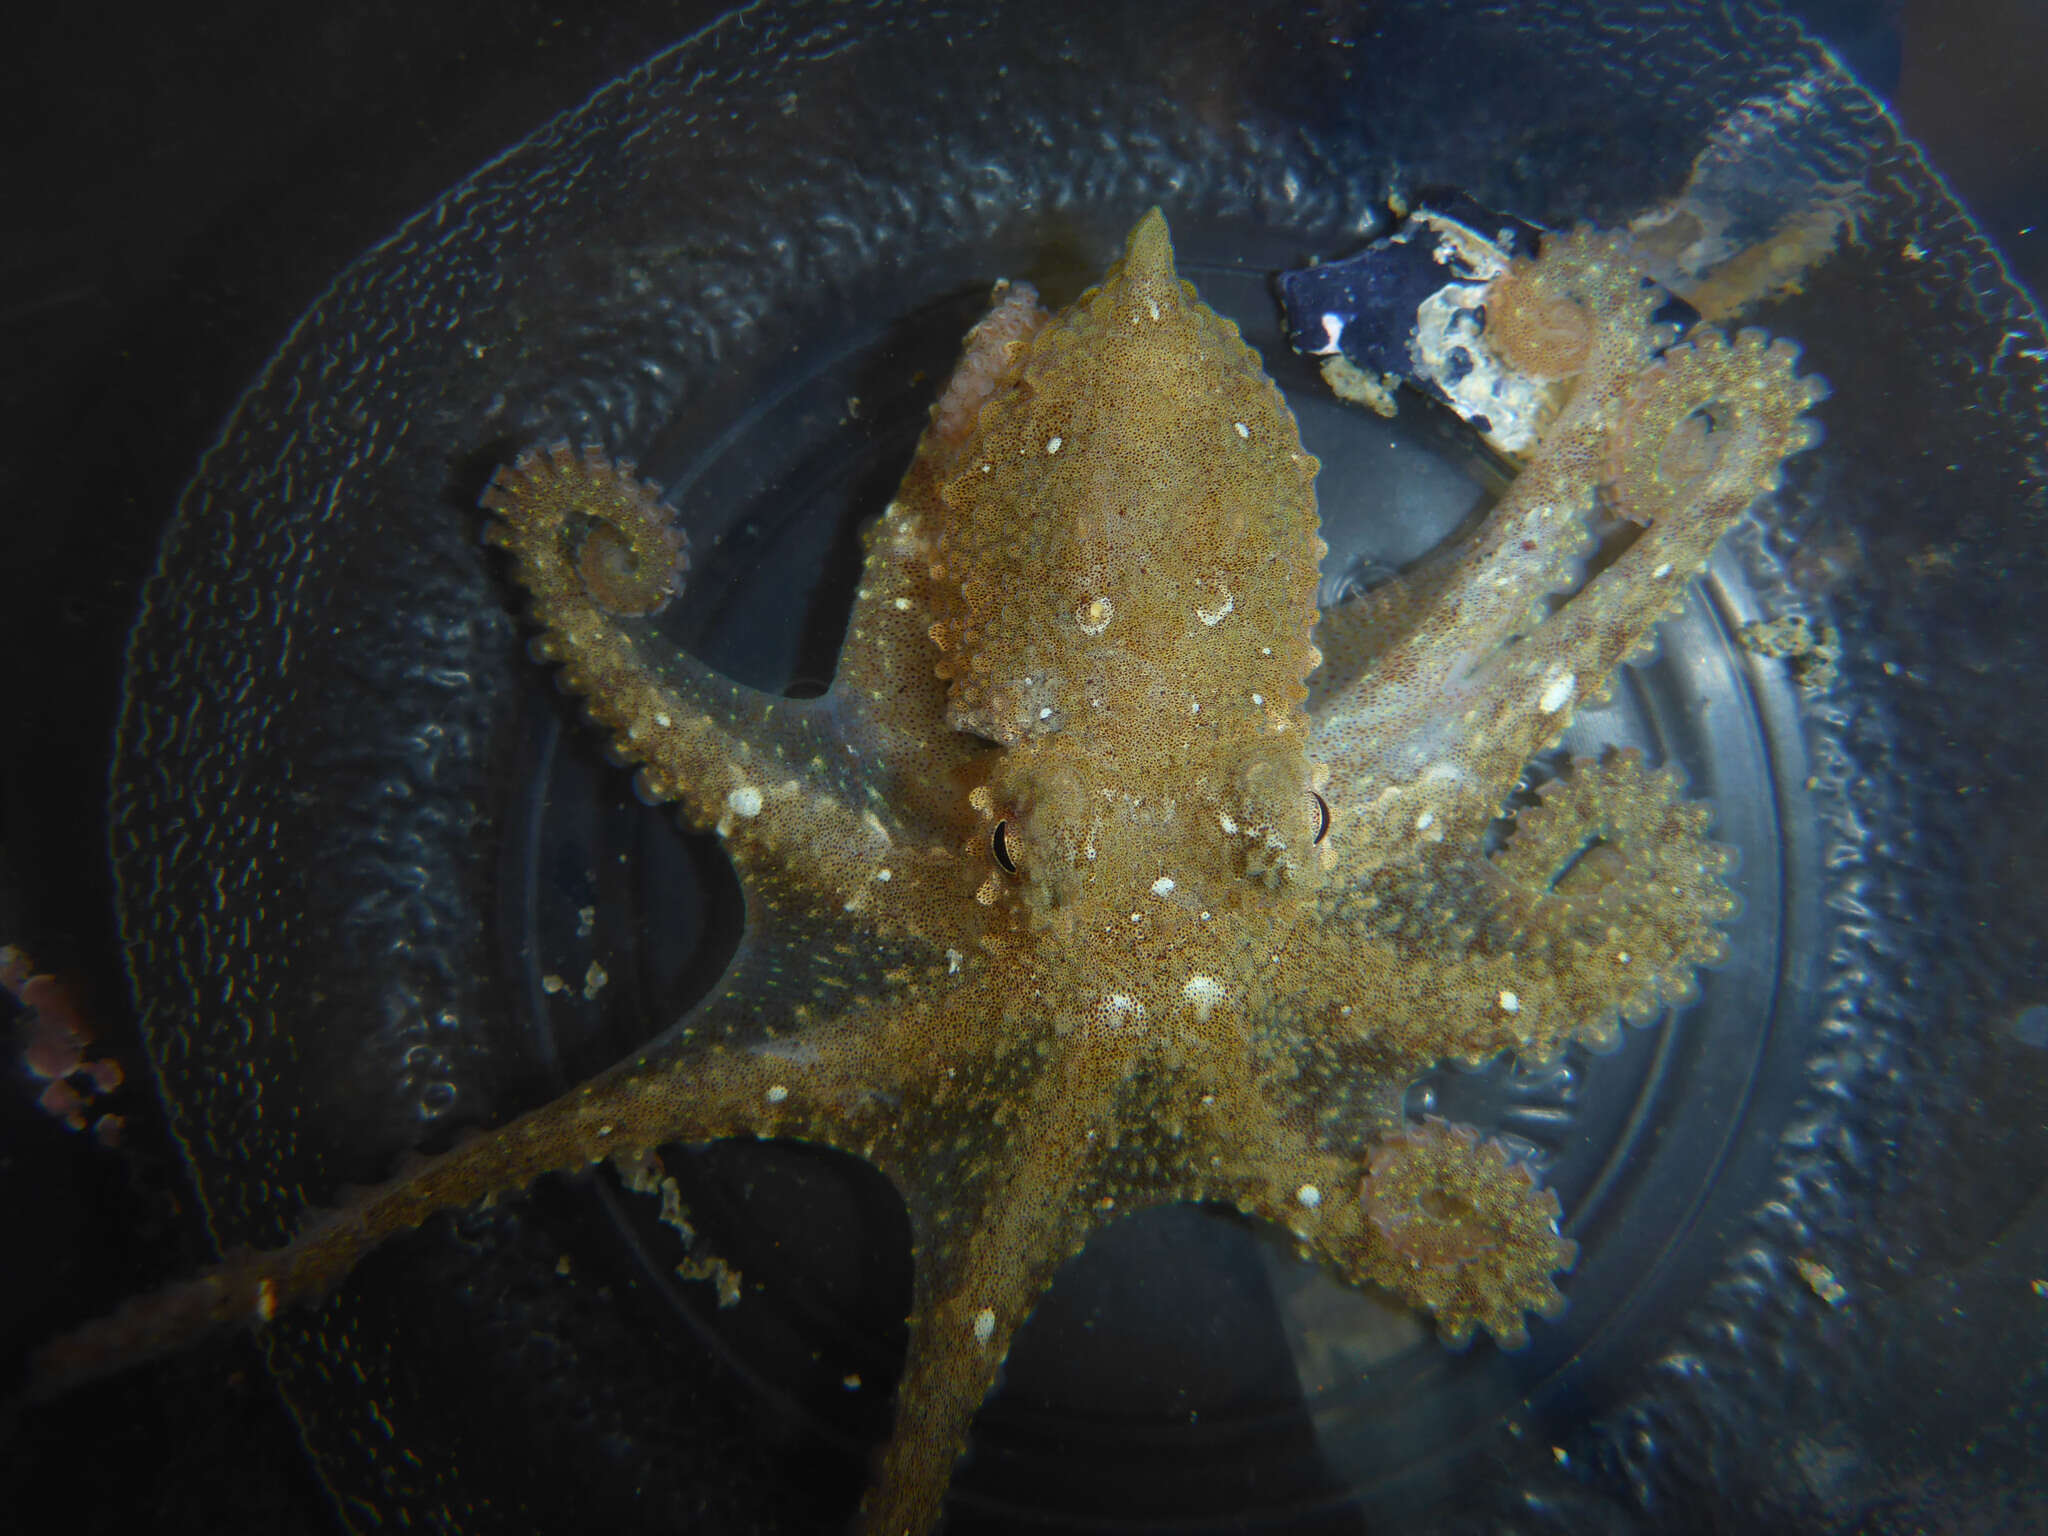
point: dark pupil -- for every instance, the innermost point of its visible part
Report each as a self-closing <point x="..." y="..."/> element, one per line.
<point x="1322" y="815"/>
<point x="999" y="845"/>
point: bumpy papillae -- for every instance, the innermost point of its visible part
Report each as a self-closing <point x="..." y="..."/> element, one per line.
<point x="629" y="553"/>
<point x="1464" y="1231"/>
<point x="1711" y="418"/>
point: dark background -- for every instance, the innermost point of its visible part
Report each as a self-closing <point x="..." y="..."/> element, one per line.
<point x="180" y="187"/>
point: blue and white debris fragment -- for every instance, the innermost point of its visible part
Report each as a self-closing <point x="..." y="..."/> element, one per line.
<point x="1411" y="308"/>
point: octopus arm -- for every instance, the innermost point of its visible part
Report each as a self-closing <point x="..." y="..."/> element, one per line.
<point x="776" y="778"/>
<point x="1457" y="1228"/>
<point x="1603" y="905"/>
<point x="887" y="691"/>
<point x="1456" y="679"/>
<point x="887" y="701"/>
<point x="1612" y="895"/>
<point x="1356" y="634"/>
<point x="994" y="1212"/>
<point x="1430" y="1211"/>
<point x="1401" y="735"/>
<point x="755" y="1059"/>
<point x="1703" y="435"/>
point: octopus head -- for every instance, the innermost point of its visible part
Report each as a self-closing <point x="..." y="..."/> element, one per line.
<point x="1077" y="832"/>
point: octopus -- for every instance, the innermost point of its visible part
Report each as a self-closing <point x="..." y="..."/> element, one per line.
<point x="1109" y="872"/>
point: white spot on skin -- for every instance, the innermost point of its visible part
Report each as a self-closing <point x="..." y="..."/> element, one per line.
<point x="1214" y="616"/>
<point x="1557" y="693"/>
<point x="1425" y="821"/>
<point x="1094" y="616"/>
<point x="1509" y="1003"/>
<point x="661" y="719"/>
<point x="1333" y="336"/>
<point x="1163" y="886"/>
<point x="1052" y="444"/>
<point x="885" y="875"/>
<point x="902" y="605"/>
<point x="1243" y="431"/>
<point x="954" y="960"/>
<point x="1309" y="1196"/>
<point x="744" y="801"/>
<point x="776" y="1094"/>
<point x="1224" y="821"/>
<point x="1661" y="572"/>
<point x="1203" y="993"/>
<point x="984" y="1325"/>
<point x="1258" y="698"/>
<point x="1119" y="1011"/>
<point x="1153" y="305"/>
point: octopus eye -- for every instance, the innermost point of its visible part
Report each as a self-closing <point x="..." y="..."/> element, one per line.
<point x="1322" y="815"/>
<point x="999" y="845"/>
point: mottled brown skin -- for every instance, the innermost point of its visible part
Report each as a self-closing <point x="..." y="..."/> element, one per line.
<point x="1091" y="885"/>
